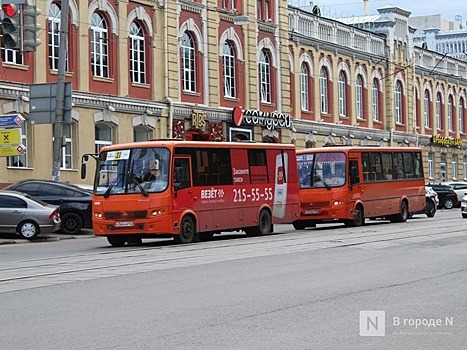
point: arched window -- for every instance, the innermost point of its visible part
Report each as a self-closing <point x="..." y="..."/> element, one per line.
<point x="54" y="35"/>
<point x="398" y="102"/>
<point x="137" y="54"/>
<point x="103" y="135"/>
<point x="450" y="112"/>
<point x="228" y="62"/>
<point x="99" y="46"/>
<point x="188" y="63"/>
<point x="141" y="133"/>
<point x="438" y="111"/>
<point x="426" y="109"/>
<point x="342" y="95"/>
<point x="375" y="99"/>
<point x="265" y="77"/>
<point x="304" y="88"/>
<point x="359" y="97"/>
<point x="323" y="90"/>
<point x="461" y="115"/>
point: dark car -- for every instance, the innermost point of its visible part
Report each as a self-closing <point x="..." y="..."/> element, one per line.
<point x="75" y="202"/>
<point x="446" y="194"/>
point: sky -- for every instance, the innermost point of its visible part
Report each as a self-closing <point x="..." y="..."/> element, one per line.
<point x="341" y="8"/>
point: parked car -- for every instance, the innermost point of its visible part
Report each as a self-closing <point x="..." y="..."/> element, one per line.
<point x="447" y="196"/>
<point x="75" y="202"/>
<point x="459" y="187"/>
<point x="464" y="207"/>
<point x="26" y="216"/>
<point x="432" y="203"/>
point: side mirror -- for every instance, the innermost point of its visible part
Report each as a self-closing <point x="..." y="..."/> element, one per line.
<point x="83" y="170"/>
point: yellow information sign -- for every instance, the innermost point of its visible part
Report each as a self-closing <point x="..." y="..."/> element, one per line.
<point x="12" y="150"/>
<point x="10" y="136"/>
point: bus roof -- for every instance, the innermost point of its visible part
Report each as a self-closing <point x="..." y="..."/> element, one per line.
<point x="171" y="143"/>
<point x="347" y="149"/>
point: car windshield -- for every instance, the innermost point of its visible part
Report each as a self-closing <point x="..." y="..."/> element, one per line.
<point x="137" y="170"/>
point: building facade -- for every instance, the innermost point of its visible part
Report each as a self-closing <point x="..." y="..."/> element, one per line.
<point x="223" y="70"/>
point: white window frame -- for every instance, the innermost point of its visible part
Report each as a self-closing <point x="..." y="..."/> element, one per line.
<point x="342" y="97"/>
<point x="228" y="63"/>
<point x="67" y="150"/>
<point x="99" y="46"/>
<point x="323" y="90"/>
<point x="375" y="100"/>
<point x="304" y="88"/>
<point x="265" y="77"/>
<point x="398" y="102"/>
<point x="426" y="109"/>
<point x="359" y="96"/>
<point x="137" y="54"/>
<point x="54" y="34"/>
<point x="104" y="141"/>
<point x="461" y="116"/>
<point x="188" y="63"/>
<point x="454" y="160"/>
<point x="450" y="110"/>
<point x="438" y="112"/>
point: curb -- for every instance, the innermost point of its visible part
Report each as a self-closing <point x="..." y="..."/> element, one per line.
<point x="44" y="238"/>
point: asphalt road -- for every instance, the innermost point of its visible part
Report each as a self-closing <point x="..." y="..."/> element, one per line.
<point x="291" y="290"/>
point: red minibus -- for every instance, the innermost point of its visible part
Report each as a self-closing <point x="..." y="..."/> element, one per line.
<point x="192" y="189"/>
<point x="349" y="184"/>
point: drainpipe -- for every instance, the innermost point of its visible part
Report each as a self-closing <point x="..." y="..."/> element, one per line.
<point x="166" y="72"/>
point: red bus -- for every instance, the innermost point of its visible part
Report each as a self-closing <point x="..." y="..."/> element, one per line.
<point x="190" y="189"/>
<point x="349" y="184"/>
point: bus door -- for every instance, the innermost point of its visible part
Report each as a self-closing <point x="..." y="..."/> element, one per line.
<point x="182" y="182"/>
<point x="355" y="188"/>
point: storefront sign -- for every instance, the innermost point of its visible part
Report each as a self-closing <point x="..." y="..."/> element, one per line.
<point x="445" y="141"/>
<point x="270" y="120"/>
<point x="198" y="120"/>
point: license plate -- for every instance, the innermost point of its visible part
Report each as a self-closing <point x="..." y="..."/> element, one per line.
<point x="313" y="211"/>
<point x="124" y="224"/>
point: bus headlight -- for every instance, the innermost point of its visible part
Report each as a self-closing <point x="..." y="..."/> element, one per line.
<point x="97" y="215"/>
<point x="337" y="202"/>
<point x="157" y="212"/>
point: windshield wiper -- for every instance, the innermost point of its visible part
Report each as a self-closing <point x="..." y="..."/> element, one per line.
<point x="134" y="180"/>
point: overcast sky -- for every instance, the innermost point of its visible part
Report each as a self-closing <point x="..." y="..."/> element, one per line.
<point x="341" y="8"/>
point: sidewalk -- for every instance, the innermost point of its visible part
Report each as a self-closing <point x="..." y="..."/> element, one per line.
<point x="49" y="237"/>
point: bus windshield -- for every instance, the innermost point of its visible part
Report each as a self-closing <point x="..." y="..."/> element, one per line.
<point x="135" y="170"/>
<point x="322" y="169"/>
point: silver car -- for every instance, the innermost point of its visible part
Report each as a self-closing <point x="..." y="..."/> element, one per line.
<point x="26" y="216"/>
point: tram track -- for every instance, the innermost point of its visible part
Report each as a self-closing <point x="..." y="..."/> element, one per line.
<point x="35" y="273"/>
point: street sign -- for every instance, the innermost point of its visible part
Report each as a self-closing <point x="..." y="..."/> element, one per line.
<point x="43" y="101"/>
<point x="10" y="136"/>
<point x="13" y="150"/>
<point x="11" y="120"/>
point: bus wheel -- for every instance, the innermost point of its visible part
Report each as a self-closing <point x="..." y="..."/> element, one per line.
<point x="188" y="232"/>
<point x="403" y="215"/>
<point x="264" y="225"/>
<point x="117" y="241"/>
<point x="358" y="218"/>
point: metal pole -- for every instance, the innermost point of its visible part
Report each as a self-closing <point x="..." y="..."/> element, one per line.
<point x="58" y="123"/>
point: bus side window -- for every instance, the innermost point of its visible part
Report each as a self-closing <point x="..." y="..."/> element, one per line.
<point x="354" y="177"/>
<point x="181" y="174"/>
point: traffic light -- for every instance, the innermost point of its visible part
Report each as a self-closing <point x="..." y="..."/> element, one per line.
<point x="30" y="28"/>
<point x="11" y="24"/>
